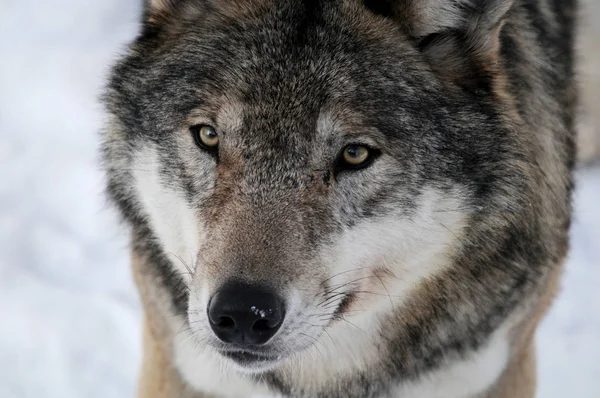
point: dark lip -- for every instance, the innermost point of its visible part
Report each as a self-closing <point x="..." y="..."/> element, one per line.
<point x="246" y="358"/>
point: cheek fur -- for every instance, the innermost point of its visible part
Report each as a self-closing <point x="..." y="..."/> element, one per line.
<point x="169" y="214"/>
<point x="385" y="258"/>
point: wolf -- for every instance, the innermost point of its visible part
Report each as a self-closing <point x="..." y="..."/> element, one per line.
<point x="344" y="198"/>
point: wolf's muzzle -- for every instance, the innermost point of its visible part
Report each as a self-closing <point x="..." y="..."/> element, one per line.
<point x="244" y="315"/>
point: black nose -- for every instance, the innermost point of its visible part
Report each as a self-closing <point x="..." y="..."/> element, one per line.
<point x="245" y="315"/>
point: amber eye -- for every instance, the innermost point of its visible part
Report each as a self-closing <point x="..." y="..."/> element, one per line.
<point x="356" y="155"/>
<point x="205" y="136"/>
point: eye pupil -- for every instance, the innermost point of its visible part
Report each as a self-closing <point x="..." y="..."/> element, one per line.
<point x="210" y="134"/>
<point x="354" y="151"/>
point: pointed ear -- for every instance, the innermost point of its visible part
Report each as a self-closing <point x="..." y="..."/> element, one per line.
<point x="460" y="38"/>
<point x="424" y="17"/>
<point x="159" y="5"/>
<point x="158" y="11"/>
<point x="164" y="18"/>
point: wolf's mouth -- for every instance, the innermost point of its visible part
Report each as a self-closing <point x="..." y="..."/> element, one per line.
<point x="250" y="358"/>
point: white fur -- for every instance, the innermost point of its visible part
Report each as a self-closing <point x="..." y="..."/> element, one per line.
<point x="463" y="378"/>
<point x="170" y="216"/>
<point x="413" y="248"/>
<point x="203" y="370"/>
<point x="176" y="228"/>
<point x="456" y="379"/>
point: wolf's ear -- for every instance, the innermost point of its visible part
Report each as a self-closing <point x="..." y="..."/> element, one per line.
<point x="159" y="5"/>
<point x="423" y="17"/>
<point x="163" y="18"/>
<point x="457" y="36"/>
<point x="160" y="11"/>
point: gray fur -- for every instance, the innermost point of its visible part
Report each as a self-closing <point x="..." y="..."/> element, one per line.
<point x="474" y="99"/>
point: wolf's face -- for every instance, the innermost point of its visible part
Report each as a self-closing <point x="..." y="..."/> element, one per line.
<point x="302" y="167"/>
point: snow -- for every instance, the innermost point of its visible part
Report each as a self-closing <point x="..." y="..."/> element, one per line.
<point x="69" y="314"/>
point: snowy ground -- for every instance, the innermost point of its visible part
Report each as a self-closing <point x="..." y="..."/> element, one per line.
<point x="69" y="316"/>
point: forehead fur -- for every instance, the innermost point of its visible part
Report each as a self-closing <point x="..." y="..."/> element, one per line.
<point x="273" y="73"/>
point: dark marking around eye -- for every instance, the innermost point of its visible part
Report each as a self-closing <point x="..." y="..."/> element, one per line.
<point x="206" y="138"/>
<point x="342" y="163"/>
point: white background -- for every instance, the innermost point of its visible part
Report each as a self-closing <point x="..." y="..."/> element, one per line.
<point x="69" y="315"/>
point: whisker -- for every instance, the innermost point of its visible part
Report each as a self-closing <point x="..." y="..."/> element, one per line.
<point x="347" y="321"/>
<point x="330" y="298"/>
<point x="386" y="290"/>
<point x="187" y="267"/>
<point x="343" y="272"/>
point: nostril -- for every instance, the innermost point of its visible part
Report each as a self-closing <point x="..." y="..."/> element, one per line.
<point x="226" y="322"/>
<point x="261" y="325"/>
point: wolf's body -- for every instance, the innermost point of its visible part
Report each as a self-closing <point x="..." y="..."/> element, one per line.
<point x="421" y="273"/>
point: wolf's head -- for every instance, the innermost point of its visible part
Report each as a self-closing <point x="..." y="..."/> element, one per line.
<point x="304" y="166"/>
